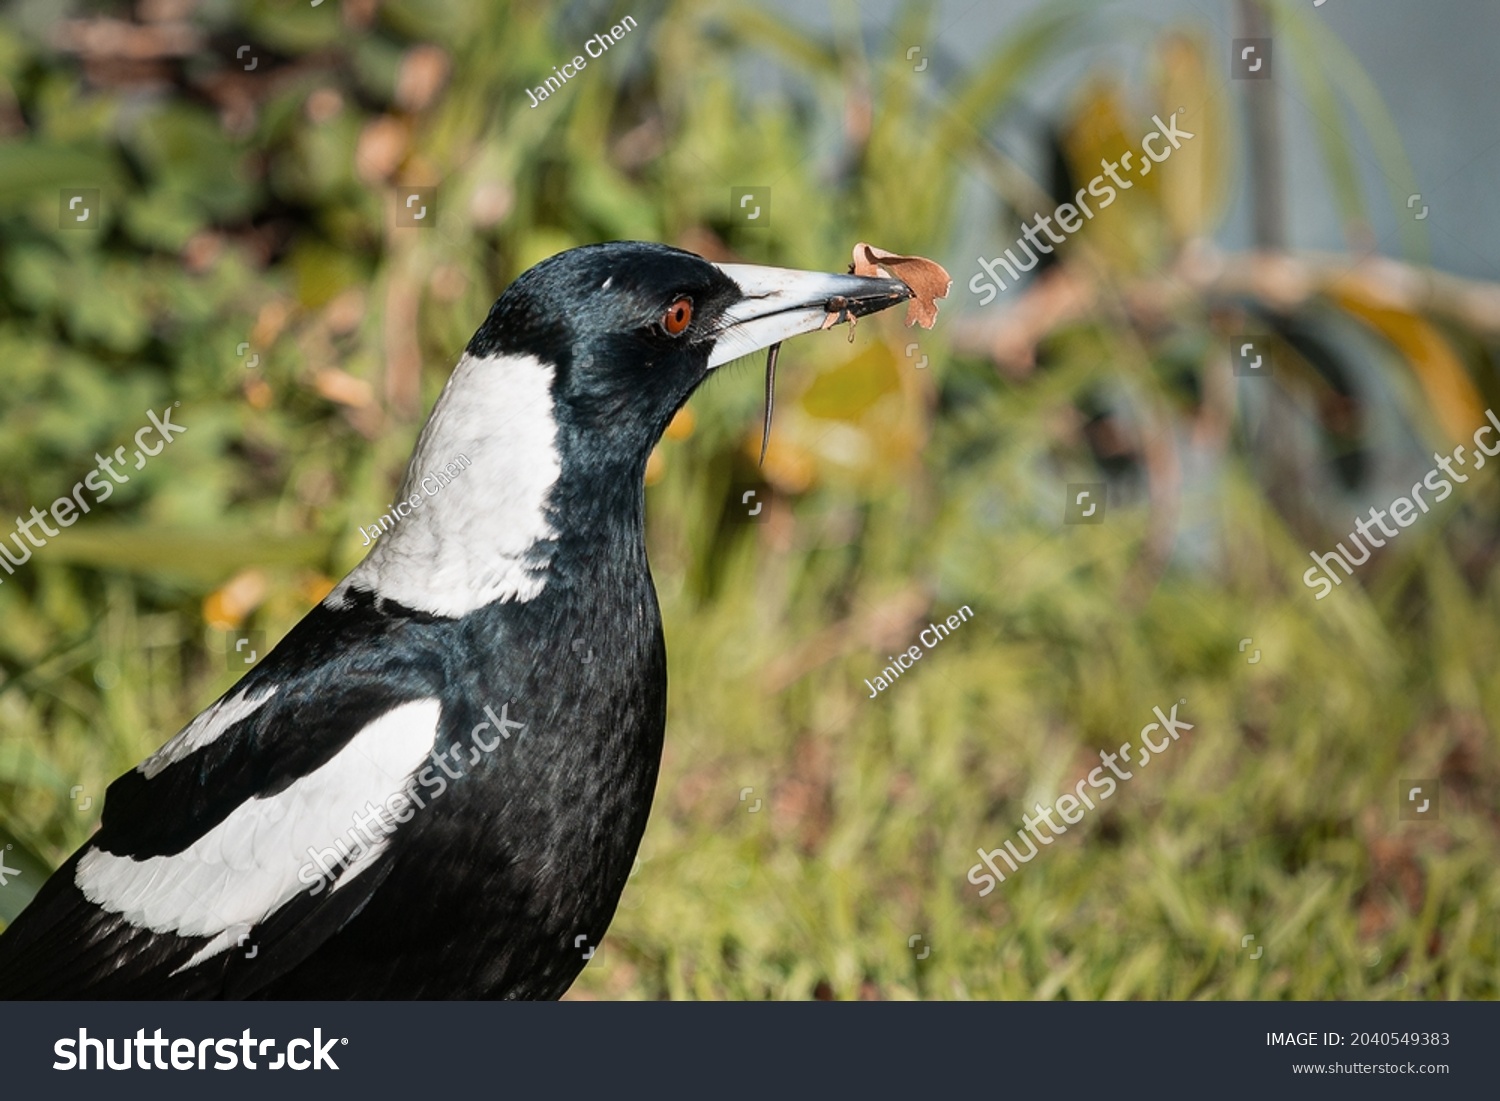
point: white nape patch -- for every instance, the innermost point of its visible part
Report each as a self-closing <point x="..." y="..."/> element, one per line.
<point x="604" y="286"/>
<point x="466" y="545"/>
<point x="246" y="867"/>
<point x="206" y="728"/>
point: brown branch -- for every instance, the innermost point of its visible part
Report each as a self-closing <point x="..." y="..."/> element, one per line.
<point x="1207" y="278"/>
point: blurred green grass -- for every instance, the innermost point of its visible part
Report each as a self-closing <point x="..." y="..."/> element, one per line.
<point x="258" y="207"/>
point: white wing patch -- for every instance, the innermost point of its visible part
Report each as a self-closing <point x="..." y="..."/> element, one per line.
<point x="221" y="943"/>
<point x="208" y="726"/>
<point x="466" y="541"/>
<point x="247" y="866"/>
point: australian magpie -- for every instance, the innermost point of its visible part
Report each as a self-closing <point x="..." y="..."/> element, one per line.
<point x="431" y="788"/>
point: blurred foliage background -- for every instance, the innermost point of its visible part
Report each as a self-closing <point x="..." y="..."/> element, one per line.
<point x="245" y="261"/>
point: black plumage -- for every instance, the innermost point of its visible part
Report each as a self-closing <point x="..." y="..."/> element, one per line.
<point x="515" y="699"/>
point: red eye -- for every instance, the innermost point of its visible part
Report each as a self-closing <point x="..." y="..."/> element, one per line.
<point x="678" y="316"/>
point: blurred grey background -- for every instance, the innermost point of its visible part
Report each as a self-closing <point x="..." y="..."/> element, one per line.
<point x="1433" y="63"/>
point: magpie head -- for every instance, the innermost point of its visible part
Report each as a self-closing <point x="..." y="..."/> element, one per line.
<point x="630" y="330"/>
<point x="541" y="437"/>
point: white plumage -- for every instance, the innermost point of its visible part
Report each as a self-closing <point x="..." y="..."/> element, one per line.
<point x="205" y="729"/>
<point x="466" y="546"/>
<point x="247" y="866"/>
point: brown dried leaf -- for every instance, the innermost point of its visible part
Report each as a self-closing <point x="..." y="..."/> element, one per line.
<point x="381" y="148"/>
<point x="424" y="70"/>
<point x="344" y="388"/>
<point x="927" y="279"/>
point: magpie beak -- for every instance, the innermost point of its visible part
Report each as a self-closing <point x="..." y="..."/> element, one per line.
<point x="782" y="302"/>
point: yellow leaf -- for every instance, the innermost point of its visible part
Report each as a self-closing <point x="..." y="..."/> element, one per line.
<point x="849" y="389"/>
<point x="227" y="607"/>
<point x="1451" y="394"/>
<point x="682" y="424"/>
<point x="789" y="466"/>
<point x="656" y="467"/>
<point x="1122" y="234"/>
<point x="315" y="586"/>
<point x="1193" y="188"/>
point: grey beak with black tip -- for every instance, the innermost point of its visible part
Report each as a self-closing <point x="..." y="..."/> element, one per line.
<point x="783" y="302"/>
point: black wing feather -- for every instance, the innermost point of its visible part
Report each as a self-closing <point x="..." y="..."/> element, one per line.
<point x="337" y="671"/>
